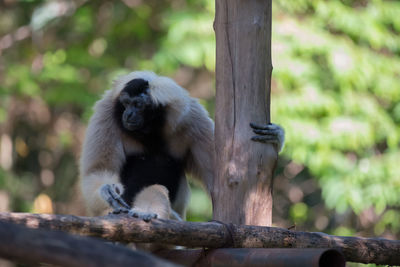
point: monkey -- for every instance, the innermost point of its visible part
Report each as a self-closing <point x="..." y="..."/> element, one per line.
<point x="145" y="135"/>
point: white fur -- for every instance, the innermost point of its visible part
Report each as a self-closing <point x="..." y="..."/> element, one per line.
<point x="188" y="129"/>
<point x="91" y="186"/>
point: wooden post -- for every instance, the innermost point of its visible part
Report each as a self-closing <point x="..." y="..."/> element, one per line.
<point x="242" y="191"/>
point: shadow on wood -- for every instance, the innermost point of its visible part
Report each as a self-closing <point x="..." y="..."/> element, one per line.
<point x="35" y="246"/>
<point x="255" y="257"/>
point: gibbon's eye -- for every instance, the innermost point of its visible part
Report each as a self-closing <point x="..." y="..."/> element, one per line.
<point x="125" y="99"/>
<point x="138" y="103"/>
<point x="126" y="102"/>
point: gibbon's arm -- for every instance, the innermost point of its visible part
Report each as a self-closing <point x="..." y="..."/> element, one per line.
<point x="201" y="131"/>
<point x="201" y="135"/>
<point x="101" y="159"/>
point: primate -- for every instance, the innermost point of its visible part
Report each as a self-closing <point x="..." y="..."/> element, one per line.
<point x="145" y="134"/>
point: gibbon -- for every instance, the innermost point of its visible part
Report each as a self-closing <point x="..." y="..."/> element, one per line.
<point x="145" y="134"/>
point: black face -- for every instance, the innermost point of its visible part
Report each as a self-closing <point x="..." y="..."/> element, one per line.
<point x="137" y="113"/>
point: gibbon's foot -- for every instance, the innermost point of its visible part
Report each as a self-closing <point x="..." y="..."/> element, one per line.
<point x="111" y="194"/>
<point x="269" y="133"/>
<point x="145" y="216"/>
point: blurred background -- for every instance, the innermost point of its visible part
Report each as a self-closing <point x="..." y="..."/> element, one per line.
<point x="335" y="89"/>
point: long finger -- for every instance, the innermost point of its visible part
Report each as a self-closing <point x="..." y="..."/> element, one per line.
<point x="261" y="126"/>
<point x="118" y="198"/>
<point x="266" y="132"/>
<point x="264" y="139"/>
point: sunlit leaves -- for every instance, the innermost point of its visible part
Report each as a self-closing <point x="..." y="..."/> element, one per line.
<point x="298" y="212"/>
<point x="190" y="39"/>
<point x="83" y="20"/>
<point x="19" y="79"/>
<point x="337" y="74"/>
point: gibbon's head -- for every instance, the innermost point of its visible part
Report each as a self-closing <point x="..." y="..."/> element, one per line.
<point x="135" y="110"/>
<point x="145" y="102"/>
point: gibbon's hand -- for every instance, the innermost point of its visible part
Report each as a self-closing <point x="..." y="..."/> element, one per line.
<point x="145" y="216"/>
<point x="111" y="193"/>
<point x="270" y="133"/>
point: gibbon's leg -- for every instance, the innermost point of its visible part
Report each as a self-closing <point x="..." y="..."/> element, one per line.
<point x="270" y="133"/>
<point x="152" y="202"/>
<point x="111" y="193"/>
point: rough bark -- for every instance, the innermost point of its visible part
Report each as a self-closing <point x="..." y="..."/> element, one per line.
<point x="211" y="235"/>
<point x="34" y="247"/>
<point x="242" y="191"/>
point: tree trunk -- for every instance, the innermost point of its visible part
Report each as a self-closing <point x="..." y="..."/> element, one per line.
<point x="242" y="191"/>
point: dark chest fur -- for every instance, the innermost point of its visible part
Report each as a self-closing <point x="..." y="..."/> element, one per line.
<point x="144" y="170"/>
<point x="155" y="165"/>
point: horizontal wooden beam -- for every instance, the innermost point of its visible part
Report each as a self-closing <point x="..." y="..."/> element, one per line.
<point x="212" y="235"/>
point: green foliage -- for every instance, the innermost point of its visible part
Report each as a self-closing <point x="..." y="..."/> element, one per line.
<point x="298" y="212"/>
<point x="337" y="71"/>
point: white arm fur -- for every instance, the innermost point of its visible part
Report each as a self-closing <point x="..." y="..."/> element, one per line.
<point x="102" y="155"/>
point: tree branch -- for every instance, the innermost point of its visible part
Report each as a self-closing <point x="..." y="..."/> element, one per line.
<point x="34" y="246"/>
<point x="212" y="235"/>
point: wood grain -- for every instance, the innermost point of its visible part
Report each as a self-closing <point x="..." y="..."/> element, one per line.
<point x="242" y="191"/>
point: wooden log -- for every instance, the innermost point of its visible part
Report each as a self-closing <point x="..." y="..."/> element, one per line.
<point x="242" y="191"/>
<point x="36" y="246"/>
<point x="244" y="257"/>
<point x="211" y="235"/>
